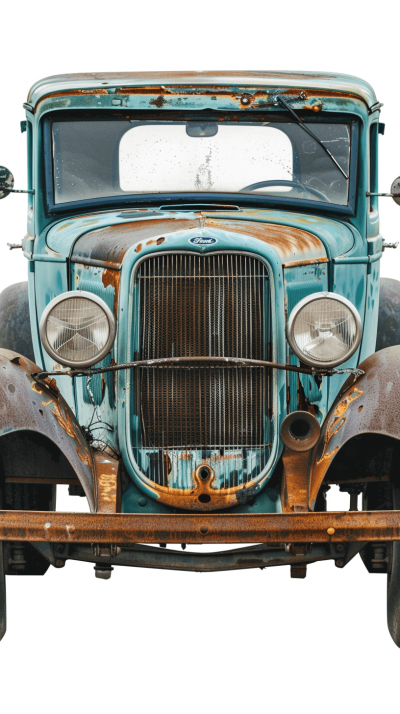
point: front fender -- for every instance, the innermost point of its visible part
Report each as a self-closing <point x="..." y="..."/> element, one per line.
<point x="37" y="408"/>
<point x="367" y="405"/>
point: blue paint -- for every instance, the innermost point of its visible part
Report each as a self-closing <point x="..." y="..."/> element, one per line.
<point x="349" y="236"/>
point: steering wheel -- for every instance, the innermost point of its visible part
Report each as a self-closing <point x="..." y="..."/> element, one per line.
<point x="295" y="184"/>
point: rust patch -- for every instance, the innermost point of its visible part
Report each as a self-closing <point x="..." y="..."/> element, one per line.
<point x="337" y="422"/>
<point x="83" y="455"/>
<point x="312" y="261"/>
<point x="64" y="421"/>
<point x="294" y="495"/>
<point x="160" y="91"/>
<point x="110" y="244"/>
<point x="108" y="488"/>
<point x="287" y="241"/>
<point x="113" y="278"/>
<point x="202" y="497"/>
<point x="225" y="457"/>
<point x="158" y="101"/>
<point x="138" y="248"/>
<point x="52" y="384"/>
<point x="159" y="241"/>
<point x="353" y="526"/>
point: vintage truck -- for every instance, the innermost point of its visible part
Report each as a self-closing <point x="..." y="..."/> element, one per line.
<point x="197" y="350"/>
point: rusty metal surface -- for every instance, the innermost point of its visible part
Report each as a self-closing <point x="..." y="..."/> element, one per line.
<point x="322" y="527"/>
<point x="289" y="242"/>
<point x="300" y="431"/>
<point x="27" y="406"/>
<point x="108" y="483"/>
<point x="164" y="361"/>
<point x="244" y="558"/>
<point x="294" y="491"/>
<point x="106" y="247"/>
<point x="234" y="82"/>
<point x="369" y="405"/>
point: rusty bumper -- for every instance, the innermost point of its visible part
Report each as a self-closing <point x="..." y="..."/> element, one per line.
<point x="55" y="527"/>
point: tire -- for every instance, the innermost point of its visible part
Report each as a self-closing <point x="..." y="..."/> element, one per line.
<point x="393" y="579"/>
<point x="15" y="325"/>
<point x="389" y="314"/>
<point x="25" y="497"/>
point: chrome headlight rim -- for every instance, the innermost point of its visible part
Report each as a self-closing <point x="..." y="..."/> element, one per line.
<point x="63" y="298"/>
<point x="292" y="320"/>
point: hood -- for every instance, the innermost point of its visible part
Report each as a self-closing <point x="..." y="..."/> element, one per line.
<point x="103" y="239"/>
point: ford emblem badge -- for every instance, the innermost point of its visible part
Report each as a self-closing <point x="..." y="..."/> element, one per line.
<point x="203" y="240"/>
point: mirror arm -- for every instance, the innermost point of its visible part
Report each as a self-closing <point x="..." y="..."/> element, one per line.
<point x="390" y="195"/>
<point x="15" y="190"/>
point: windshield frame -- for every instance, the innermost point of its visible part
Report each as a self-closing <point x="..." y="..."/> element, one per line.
<point x="243" y="200"/>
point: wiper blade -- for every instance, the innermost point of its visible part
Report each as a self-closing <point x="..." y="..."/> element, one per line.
<point x="279" y="99"/>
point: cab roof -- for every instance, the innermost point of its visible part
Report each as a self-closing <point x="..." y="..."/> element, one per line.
<point x="89" y="81"/>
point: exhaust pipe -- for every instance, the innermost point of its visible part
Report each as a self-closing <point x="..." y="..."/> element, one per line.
<point x="300" y="431"/>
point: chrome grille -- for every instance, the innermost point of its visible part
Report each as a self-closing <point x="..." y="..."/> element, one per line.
<point x="193" y="305"/>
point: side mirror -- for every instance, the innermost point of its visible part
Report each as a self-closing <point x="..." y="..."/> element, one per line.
<point x="6" y="182"/>
<point x="395" y="190"/>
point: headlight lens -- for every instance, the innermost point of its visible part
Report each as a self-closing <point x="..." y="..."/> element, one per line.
<point x="324" y="329"/>
<point x="77" y="329"/>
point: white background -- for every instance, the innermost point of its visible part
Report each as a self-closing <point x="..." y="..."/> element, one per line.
<point x="149" y="641"/>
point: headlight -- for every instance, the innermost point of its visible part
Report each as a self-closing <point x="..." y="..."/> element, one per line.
<point x="324" y="329"/>
<point x="77" y="329"/>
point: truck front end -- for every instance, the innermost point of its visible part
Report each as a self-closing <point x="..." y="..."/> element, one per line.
<point x="204" y="291"/>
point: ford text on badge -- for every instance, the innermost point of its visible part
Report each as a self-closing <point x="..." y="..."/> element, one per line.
<point x="200" y="240"/>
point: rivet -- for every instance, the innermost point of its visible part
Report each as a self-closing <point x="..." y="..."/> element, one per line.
<point x="203" y="530"/>
<point x="245" y="100"/>
<point x="142" y="501"/>
<point x="316" y="108"/>
<point x="330" y="531"/>
<point x="71" y="529"/>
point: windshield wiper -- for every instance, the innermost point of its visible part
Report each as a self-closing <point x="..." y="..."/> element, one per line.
<point x="280" y="100"/>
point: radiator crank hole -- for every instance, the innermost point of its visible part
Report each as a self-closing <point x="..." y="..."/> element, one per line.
<point x="204" y="473"/>
<point x="204" y="498"/>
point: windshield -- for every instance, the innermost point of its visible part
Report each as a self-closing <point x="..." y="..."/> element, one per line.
<point x="105" y="158"/>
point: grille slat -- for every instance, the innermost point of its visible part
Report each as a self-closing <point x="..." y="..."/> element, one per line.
<point x="210" y="305"/>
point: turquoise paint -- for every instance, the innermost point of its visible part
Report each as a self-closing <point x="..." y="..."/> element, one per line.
<point x="127" y="422"/>
<point x="266" y="501"/>
<point x="352" y="271"/>
<point x="96" y="401"/>
<point x="198" y="82"/>
<point x="301" y="281"/>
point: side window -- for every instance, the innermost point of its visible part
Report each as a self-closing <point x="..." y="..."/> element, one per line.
<point x="373" y="166"/>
